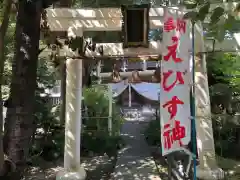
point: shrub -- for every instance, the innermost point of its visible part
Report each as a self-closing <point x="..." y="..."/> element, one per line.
<point x="95" y="129"/>
<point x="100" y="143"/>
<point x="97" y="102"/>
<point x="49" y="139"/>
<point x="152" y="133"/>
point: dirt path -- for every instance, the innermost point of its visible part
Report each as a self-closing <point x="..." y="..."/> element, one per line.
<point x="97" y="168"/>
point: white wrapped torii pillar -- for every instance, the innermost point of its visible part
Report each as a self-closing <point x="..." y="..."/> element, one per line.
<point x="73" y="118"/>
<point x="110" y="19"/>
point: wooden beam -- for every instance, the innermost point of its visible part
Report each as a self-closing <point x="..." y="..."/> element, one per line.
<point x="109" y="13"/>
<point x="101" y="19"/>
<point x="127" y="74"/>
<point x="113" y="24"/>
<point x="116" y="50"/>
<point x="113" y="50"/>
<point x="94" y="13"/>
<point x="107" y="19"/>
<point x="110" y="19"/>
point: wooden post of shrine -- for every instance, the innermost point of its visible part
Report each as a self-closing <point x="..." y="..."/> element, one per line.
<point x="110" y="98"/>
<point x="99" y="68"/>
<point x="73" y="122"/>
<point x="207" y="168"/>
<point x="129" y="95"/>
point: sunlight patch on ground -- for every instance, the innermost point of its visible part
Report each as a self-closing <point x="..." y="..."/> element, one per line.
<point x="230" y="167"/>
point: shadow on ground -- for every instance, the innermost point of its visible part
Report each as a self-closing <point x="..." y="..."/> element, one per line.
<point x="134" y="160"/>
<point x="97" y="168"/>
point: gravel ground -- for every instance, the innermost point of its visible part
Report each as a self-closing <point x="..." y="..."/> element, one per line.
<point x="97" y="168"/>
<point x="160" y="162"/>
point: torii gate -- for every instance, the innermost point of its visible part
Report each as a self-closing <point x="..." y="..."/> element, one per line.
<point x="76" y="22"/>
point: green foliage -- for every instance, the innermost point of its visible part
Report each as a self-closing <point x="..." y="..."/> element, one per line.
<point x="46" y="78"/>
<point x="224" y="93"/>
<point x="96" y="99"/>
<point x="100" y="143"/>
<point x="95" y="130"/>
<point x="220" y="21"/>
<point x="191" y="15"/>
<point x="48" y="140"/>
<point x="152" y="133"/>
<point x="216" y="14"/>
<point x="203" y="11"/>
<point x="223" y="73"/>
<point x="226" y="135"/>
<point x="190" y="4"/>
<point x="9" y="45"/>
<point x="225" y="66"/>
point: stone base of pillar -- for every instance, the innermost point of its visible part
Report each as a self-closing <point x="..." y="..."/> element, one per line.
<point x="210" y="174"/>
<point x="71" y="175"/>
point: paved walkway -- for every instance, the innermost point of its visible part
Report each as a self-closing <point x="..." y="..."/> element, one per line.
<point x="134" y="161"/>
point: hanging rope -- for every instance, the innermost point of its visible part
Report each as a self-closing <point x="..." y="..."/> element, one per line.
<point x="115" y="74"/>
<point x="156" y="78"/>
<point x="135" y="78"/>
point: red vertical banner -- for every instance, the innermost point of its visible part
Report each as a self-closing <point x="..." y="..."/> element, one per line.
<point x="175" y="83"/>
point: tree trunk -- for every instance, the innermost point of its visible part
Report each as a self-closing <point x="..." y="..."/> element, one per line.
<point x="3" y="30"/>
<point x="19" y="123"/>
<point x="1" y="104"/>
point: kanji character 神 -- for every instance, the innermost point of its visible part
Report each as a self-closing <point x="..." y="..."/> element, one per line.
<point x="172" y="106"/>
<point x="181" y="25"/>
<point x="172" y="51"/>
<point x="179" y="79"/>
<point x="169" y="25"/>
<point x="175" y="134"/>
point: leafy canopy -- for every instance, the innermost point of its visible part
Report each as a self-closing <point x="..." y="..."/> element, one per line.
<point x="217" y="21"/>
